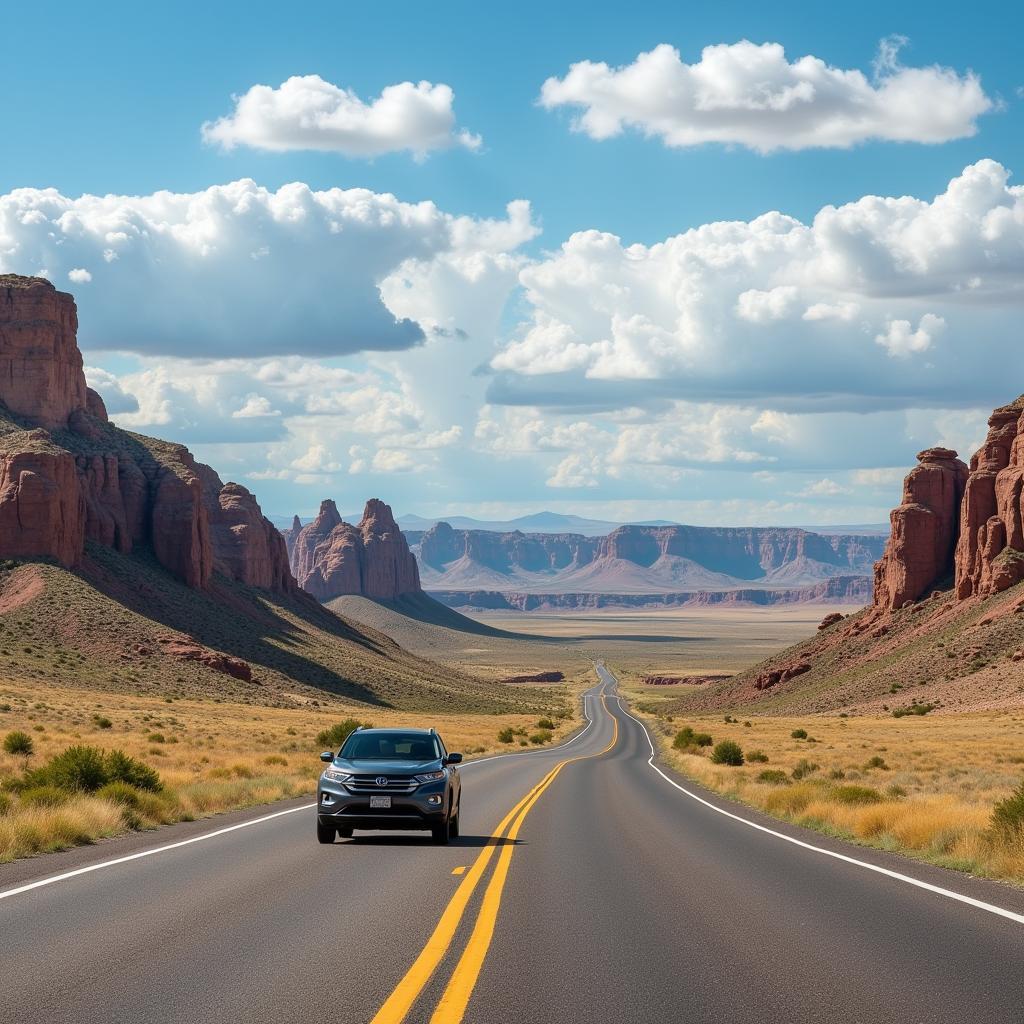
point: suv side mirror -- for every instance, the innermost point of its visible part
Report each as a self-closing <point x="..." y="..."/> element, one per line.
<point x="453" y="759"/>
<point x="327" y="755"/>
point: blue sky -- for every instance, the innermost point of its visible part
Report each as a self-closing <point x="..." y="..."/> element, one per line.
<point x="113" y="104"/>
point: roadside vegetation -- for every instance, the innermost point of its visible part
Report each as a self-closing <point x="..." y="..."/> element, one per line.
<point x="946" y="789"/>
<point x="80" y="765"/>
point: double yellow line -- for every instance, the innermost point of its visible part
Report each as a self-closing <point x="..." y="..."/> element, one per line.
<point x="452" y="1007"/>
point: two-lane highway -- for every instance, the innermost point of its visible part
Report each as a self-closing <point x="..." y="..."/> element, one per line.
<point x="588" y="887"/>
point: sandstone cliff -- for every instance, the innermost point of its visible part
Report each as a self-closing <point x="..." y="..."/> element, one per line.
<point x="68" y="475"/>
<point x="331" y="558"/>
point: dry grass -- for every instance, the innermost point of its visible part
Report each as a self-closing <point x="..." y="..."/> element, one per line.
<point x="211" y="755"/>
<point x="933" y="798"/>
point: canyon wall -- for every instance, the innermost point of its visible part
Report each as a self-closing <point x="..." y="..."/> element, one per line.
<point x="68" y="475"/>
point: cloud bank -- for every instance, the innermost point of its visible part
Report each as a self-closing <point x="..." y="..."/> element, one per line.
<point x="751" y="95"/>
<point x="308" y="113"/>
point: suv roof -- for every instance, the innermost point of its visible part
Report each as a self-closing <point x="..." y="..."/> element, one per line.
<point x="421" y="732"/>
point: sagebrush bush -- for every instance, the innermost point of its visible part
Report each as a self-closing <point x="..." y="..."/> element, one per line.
<point x="686" y="737"/>
<point x="19" y="743"/>
<point x="774" y="776"/>
<point x="856" y="795"/>
<point x="757" y="757"/>
<point x="876" y="762"/>
<point x="86" y="769"/>
<point x="122" y="768"/>
<point x="703" y="739"/>
<point x="545" y="723"/>
<point x="42" y="796"/>
<point x="1008" y="815"/>
<point x="336" y="735"/>
<point x="541" y="736"/>
<point x="120" y="793"/>
<point x="799" y="734"/>
<point x="803" y="768"/>
<point x="506" y="735"/>
<point x="727" y="752"/>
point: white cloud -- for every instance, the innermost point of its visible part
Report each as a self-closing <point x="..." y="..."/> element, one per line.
<point x="255" y="405"/>
<point x="885" y="476"/>
<point x="79" y="275"/>
<point x="715" y="312"/>
<point x="307" y="112"/>
<point x="316" y="288"/>
<point x="575" y="471"/>
<point x="751" y="95"/>
<point x="824" y="488"/>
<point x="317" y="459"/>
<point x="900" y="340"/>
<point x="388" y="460"/>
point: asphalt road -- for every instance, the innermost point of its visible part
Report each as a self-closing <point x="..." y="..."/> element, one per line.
<point x="614" y="893"/>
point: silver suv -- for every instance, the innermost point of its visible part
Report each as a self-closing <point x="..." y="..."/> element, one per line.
<point x="389" y="779"/>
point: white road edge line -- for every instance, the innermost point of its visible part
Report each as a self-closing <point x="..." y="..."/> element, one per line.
<point x="937" y="889"/>
<point x="146" y="853"/>
<point x="64" y="876"/>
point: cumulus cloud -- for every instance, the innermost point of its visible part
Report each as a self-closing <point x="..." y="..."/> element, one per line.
<point x="79" y="275"/>
<point x="824" y="488"/>
<point x="576" y="471"/>
<point x="240" y="270"/>
<point x="307" y="112"/>
<point x="835" y="313"/>
<point x="751" y="95"/>
<point x="900" y="340"/>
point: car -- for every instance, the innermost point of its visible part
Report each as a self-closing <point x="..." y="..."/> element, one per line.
<point x="389" y="779"/>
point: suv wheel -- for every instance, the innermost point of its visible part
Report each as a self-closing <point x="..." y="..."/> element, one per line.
<point x="453" y="825"/>
<point x="440" y="833"/>
<point x="345" y="832"/>
<point x="325" y="833"/>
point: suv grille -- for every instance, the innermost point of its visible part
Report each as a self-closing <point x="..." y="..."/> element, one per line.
<point x="395" y="784"/>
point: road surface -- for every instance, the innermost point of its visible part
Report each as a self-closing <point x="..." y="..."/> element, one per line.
<point x="587" y="887"/>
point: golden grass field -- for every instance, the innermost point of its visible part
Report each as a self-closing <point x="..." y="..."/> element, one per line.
<point x="211" y="755"/>
<point x="932" y="797"/>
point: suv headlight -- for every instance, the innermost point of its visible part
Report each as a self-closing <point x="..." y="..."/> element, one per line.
<point x="431" y="776"/>
<point x="333" y="775"/>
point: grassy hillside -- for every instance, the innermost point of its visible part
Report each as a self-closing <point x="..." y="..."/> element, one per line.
<point x="940" y="655"/>
<point x="122" y="624"/>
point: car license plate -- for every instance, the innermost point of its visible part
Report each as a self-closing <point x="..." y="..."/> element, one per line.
<point x="380" y="802"/>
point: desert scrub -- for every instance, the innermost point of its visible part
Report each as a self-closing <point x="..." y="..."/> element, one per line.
<point x="19" y="743"/>
<point x="727" y="752"/>
<point x="541" y="736"/>
<point x="1008" y="817"/>
<point x="506" y="735"/>
<point x="336" y="735"/>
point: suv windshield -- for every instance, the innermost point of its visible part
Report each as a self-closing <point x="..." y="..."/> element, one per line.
<point x="392" y="746"/>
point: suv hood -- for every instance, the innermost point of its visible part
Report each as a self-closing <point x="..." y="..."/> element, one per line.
<point x="386" y="767"/>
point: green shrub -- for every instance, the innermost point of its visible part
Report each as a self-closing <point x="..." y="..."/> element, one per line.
<point x="156" y="737"/>
<point x="858" y="795"/>
<point x="686" y="737"/>
<point x="913" y="709"/>
<point x="5" y="803"/>
<point x="122" y="768"/>
<point x="774" y="776"/>
<point x="545" y="723"/>
<point x="336" y="735"/>
<point x="799" y="734"/>
<point x="506" y="735"/>
<point x="275" y="759"/>
<point x="703" y="739"/>
<point x="541" y="736"/>
<point x="876" y="762"/>
<point x="18" y="742"/>
<point x="1008" y="815"/>
<point x="837" y="773"/>
<point x="757" y="757"/>
<point x="42" y="796"/>
<point x="804" y="768"/>
<point x="727" y="752"/>
<point x="102" y="722"/>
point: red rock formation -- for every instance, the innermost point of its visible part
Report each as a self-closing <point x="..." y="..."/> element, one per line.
<point x="990" y="553"/>
<point x="291" y="535"/>
<point x="41" y="374"/>
<point x="331" y="558"/>
<point x="131" y="491"/>
<point x="924" y="530"/>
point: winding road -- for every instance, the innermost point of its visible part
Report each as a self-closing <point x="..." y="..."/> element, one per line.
<point x="590" y="885"/>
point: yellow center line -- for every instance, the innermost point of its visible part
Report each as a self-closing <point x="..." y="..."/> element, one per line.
<point x="452" y="1007"/>
<point x="401" y="999"/>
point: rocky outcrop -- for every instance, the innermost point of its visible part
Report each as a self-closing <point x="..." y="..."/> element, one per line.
<point x="925" y="527"/>
<point x="291" y="535"/>
<point x="73" y="476"/>
<point x="41" y="374"/>
<point x="990" y="552"/>
<point x="332" y="558"/>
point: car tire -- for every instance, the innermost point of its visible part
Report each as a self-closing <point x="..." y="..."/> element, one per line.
<point x="325" y="833"/>
<point x="440" y="833"/>
<point x="453" y="825"/>
<point x="345" y="832"/>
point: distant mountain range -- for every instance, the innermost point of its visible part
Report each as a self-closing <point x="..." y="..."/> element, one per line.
<point x="556" y="522"/>
<point x="640" y="560"/>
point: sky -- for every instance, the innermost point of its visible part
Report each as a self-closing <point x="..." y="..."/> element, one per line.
<point x="722" y="264"/>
